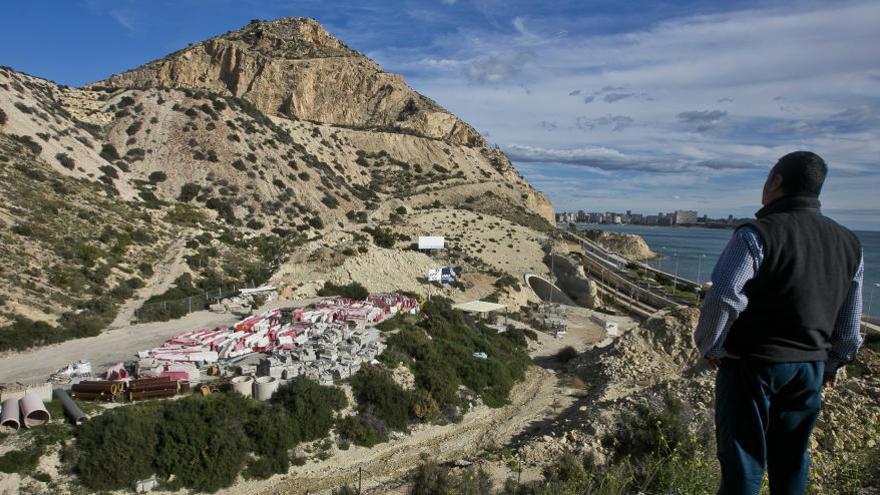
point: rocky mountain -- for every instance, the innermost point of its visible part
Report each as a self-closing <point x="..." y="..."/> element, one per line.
<point x="293" y="68"/>
<point x="209" y="168"/>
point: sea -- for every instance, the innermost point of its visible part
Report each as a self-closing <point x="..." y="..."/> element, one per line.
<point x="692" y="252"/>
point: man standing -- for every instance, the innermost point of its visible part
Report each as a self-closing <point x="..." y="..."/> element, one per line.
<point x="780" y="320"/>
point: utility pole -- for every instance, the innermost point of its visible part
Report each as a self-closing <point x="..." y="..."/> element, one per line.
<point x="675" y="277"/>
<point x="700" y="268"/>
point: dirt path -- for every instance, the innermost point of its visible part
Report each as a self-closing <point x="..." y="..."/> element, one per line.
<point x="483" y="428"/>
<point x="102" y="350"/>
<point x="171" y="267"/>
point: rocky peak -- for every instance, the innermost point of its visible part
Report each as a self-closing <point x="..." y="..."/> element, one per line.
<point x="290" y="37"/>
<point x="293" y="68"/>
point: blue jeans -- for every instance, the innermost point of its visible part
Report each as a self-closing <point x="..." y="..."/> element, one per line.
<point x="764" y="414"/>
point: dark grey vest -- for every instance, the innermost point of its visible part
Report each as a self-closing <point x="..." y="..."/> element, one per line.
<point x="807" y="271"/>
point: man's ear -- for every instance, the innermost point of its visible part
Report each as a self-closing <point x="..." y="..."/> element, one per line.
<point x="776" y="183"/>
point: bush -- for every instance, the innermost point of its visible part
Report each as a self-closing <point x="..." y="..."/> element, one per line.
<point x="118" y="448"/>
<point x="353" y="290"/>
<point x="381" y="237"/>
<point x="566" y="354"/>
<point x="133" y="128"/>
<point x="2" y="117"/>
<point x="28" y="142"/>
<point x="188" y="192"/>
<point x="109" y="153"/>
<point x="20" y="461"/>
<point x="362" y="429"/>
<point x="379" y="395"/>
<point x="65" y="160"/>
<point x="310" y="407"/>
<point x="316" y="222"/>
<point x="446" y="360"/>
<point x="192" y="448"/>
<point x="157" y="177"/>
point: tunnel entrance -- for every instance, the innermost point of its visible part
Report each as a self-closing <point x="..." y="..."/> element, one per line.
<point x="546" y="291"/>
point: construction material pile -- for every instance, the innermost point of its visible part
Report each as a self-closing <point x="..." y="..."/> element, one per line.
<point x="79" y="369"/>
<point x="139" y="389"/>
<point x="280" y="329"/>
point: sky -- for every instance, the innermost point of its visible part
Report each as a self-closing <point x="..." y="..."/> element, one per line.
<point x="640" y="105"/>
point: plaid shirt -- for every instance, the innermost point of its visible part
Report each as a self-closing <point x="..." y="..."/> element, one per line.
<point x="737" y="265"/>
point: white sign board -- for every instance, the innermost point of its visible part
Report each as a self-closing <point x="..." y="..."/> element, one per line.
<point x="431" y="242"/>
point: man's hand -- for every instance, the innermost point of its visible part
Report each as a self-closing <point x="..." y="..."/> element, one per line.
<point x="829" y="379"/>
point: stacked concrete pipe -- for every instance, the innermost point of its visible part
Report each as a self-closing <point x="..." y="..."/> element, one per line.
<point x="243" y="385"/>
<point x="10" y="417"/>
<point x="33" y="411"/>
<point x="265" y="387"/>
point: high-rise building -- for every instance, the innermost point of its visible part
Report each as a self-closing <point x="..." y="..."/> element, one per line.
<point x="685" y="217"/>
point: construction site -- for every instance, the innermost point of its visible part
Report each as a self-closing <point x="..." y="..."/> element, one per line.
<point x="329" y="341"/>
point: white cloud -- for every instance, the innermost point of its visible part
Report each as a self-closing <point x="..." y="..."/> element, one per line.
<point x="700" y="90"/>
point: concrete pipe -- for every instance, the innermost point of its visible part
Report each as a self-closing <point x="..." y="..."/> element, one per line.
<point x="243" y="385"/>
<point x="33" y="411"/>
<point x="10" y="418"/>
<point x="265" y="387"/>
<point x="71" y="410"/>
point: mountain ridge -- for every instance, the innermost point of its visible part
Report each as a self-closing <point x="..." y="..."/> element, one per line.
<point x="244" y="188"/>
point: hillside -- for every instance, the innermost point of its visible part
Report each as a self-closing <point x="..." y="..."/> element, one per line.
<point x="235" y="155"/>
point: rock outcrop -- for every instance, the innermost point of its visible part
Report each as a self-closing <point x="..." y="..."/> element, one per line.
<point x="630" y="246"/>
<point x="293" y="68"/>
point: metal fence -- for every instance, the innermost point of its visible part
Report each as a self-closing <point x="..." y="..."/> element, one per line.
<point x="169" y="310"/>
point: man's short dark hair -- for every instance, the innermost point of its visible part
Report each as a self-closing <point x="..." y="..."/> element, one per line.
<point x="802" y="172"/>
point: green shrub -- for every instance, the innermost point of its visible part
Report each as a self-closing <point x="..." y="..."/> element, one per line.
<point x="28" y="142"/>
<point x="188" y="192"/>
<point x="118" y="448"/>
<point x="20" y="461"/>
<point x="157" y="177"/>
<point x="109" y="153"/>
<point x="65" y="160"/>
<point x="134" y="128"/>
<point x="566" y="354"/>
<point x="361" y="431"/>
<point x="316" y="223"/>
<point x="380" y="396"/>
<point x="310" y="407"/>
<point x="202" y="443"/>
<point x="2" y="117"/>
<point x="353" y="290"/>
<point x="381" y="237"/>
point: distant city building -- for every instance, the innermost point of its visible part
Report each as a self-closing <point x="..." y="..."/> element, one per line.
<point x="678" y="217"/>
<point x="685" y="217"/>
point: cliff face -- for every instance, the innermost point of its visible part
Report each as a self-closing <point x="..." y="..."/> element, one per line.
<point x="293" y="68"/>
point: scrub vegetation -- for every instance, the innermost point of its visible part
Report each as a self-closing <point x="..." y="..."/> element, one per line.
<point x="439" y="351"/>
<point x="203" y="443"/>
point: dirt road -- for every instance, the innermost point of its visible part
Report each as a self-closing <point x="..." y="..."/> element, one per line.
<point x="166" y="273"/>
<point x="482" y="428"/>
<point x="102" y="350"/>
